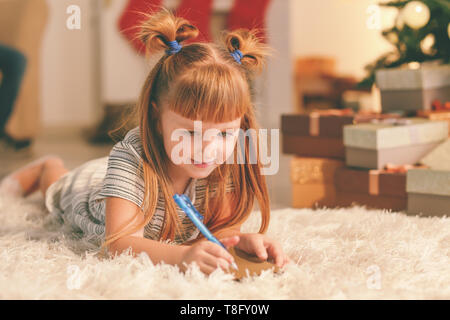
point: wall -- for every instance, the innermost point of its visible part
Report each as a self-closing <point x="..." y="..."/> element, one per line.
<point x="338" y="28"/>
<point x="275" y="96"/>
<point x="68" y="67"/>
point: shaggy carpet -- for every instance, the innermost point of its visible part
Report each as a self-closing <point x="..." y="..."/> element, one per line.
<point x="350" y="253"/>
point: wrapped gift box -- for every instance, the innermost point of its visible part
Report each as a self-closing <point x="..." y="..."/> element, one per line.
<point x="319" y="134"/>
<point x="346" y="199"/>
<point x="442" y="115"/>
<point x="392" y="141"/>
<point x="313" y="146"/>
<point x="413" y="89"/>
<point x="313" y="182"/>
<point x="439" y="158"/>
<point x="428" y="192"/>
<point x="373" y="182"/>
<point x="382" y="189"/>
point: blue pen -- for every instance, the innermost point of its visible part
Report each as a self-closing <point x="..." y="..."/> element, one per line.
<point x="186" y="205"/>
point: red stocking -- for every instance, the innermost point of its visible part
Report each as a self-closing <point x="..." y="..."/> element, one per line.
<point x="130" y="19"/>
<point x="249" y="14"/>
<point x="197" y="12"/>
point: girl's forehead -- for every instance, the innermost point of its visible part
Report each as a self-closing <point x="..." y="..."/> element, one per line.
<point x="179" y="120"/>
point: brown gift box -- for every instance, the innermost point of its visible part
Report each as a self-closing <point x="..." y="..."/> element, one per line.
<point x="315" y="65"/>
<point x="313" y="195"/>
<point x="373" y="182"/>
<point x="346" y="199"/>
<point x="313" y="182"/>
<point x="313" y="146"/>
<point x="319" y="134"/>
<point x="326" y="123"/>
<point x="382" y="189"/>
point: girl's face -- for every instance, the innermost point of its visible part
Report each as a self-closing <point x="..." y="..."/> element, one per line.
<point x="196" y="148"/>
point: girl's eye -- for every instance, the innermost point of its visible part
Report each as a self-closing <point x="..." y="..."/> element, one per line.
<point x="226" y="134"/>
<point x="192" y="133"/>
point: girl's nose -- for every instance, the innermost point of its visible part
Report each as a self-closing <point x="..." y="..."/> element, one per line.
<point x="210" y="150"/>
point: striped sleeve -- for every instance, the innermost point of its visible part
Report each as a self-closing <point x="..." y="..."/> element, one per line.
<point x="124" y="175"/>
<point x="229" y="186"/>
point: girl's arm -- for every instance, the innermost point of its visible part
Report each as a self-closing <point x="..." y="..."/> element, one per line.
<point x="207" y="255"/>
<point x="120" y="213"/>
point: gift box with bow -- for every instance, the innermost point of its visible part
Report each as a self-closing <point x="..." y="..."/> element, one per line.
<point x="413" y="89"/>
<point x="383" y="189"/>
<point x="319" y="133"/>
<point x="392" y="141"/>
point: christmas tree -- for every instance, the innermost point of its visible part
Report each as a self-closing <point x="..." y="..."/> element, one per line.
<point x="421" y="33"/>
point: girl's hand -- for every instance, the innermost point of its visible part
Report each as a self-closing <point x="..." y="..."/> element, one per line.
<point x="208" y="255"/>
<point x="263" y="247"/>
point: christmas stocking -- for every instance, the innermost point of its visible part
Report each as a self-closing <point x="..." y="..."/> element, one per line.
<point x="249" y="14"/>
<point x="197" y="12"/>
<point x="131" y="19"/>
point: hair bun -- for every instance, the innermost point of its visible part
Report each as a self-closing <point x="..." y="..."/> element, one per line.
<point x="162" y="27"/>
<point x="254" y="51"/>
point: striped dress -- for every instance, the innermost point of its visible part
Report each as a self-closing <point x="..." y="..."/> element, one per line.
<point x="77" y="199"/>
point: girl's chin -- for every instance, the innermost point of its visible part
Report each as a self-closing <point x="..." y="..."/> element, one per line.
<point x="201" y="171"/>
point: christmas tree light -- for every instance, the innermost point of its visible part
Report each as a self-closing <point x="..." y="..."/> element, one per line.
<point x="421" y="33"/>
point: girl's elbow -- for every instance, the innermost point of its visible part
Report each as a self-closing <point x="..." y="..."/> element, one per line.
<point x="117" y="247"/>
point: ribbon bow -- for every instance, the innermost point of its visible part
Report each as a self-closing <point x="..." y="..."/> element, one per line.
<point x="393" y="121"/>
<point x="392" y="168"/>
<point x="438" y="106"/>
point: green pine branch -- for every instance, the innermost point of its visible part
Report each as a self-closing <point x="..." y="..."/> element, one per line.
<point x="408" y="46"/>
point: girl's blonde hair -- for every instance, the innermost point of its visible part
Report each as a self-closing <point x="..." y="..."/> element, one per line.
<point x="200" y="82"/>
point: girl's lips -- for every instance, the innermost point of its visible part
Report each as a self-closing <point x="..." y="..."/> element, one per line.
<point x="203" y="164"/>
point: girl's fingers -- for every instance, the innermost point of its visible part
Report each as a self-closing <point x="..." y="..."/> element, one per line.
<point x="223" y="264"/>
<point x="217" y="251"/>
<point x="276" y="253"/>
<point x="261" y="251"/>
<point x="214" y="262"/>
<point x="206" y="269"/>
<point x="255" y="246"/>
<point x="230" y="241"/>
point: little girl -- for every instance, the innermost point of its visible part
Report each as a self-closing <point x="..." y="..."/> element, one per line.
<point x="126" y="200"/>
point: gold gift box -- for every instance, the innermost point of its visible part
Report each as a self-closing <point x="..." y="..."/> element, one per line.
<point x="313" y="182"/>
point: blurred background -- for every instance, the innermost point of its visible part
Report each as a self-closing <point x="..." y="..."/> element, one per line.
<point x="75" y="73"/>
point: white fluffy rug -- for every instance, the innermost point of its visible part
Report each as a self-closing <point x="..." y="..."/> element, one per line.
<point x="336" y="254"/>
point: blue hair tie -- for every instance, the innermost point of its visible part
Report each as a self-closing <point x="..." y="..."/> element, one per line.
<point x="174" y="47"/>
<point x="237" y="55"/>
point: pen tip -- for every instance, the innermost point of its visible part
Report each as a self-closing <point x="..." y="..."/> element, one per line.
<point x="234" y="266"/>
